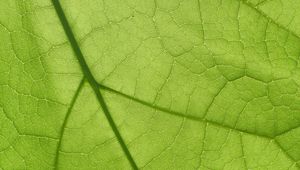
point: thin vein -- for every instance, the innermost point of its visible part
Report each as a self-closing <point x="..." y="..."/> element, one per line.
<point x="203" y="146"/>
<point x="286" y="154"/>
<point x="214" y="98"/>
<point x="245" y="2"/>
<point x="62" y="131"/>
<point x="168" y="146"/>
<point x="243" y="152"/>
<point x="92" y="81"/>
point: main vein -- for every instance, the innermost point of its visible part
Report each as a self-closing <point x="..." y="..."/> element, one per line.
<point x="90" y="78"/>
<point x="95" y="86"/>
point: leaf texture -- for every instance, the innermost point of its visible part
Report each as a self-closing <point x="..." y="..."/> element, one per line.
<point x="152" y="84"/>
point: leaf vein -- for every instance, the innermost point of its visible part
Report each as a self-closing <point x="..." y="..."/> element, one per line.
<point x="91" y="80"/>
<point x="245" y="2"/>
<point x="194" y="118"/>
<point x="65" y="123"/>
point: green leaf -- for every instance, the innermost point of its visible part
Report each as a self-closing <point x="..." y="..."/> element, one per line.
<point x="152" y="84"/>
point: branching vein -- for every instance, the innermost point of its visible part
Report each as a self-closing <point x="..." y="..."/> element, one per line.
<point x="91" y="80"/>
<point x="65" y="123"/>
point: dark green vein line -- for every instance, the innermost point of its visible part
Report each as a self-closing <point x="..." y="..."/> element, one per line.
<point x="88" y="75"/>
<point x="62" y="131"/>
<point x="287" y="154"/>
<point x="178" y="114"/>
<point x="256" y="8"/>
<point x="194" y="118"/>
<point x="288" y="130"/>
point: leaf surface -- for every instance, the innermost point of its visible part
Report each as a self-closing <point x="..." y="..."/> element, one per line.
<point x="154" y="84"/>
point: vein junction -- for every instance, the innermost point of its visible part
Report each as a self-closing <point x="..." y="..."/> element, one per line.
<point x="88" y="75"/>
<point x="96" y="88"/>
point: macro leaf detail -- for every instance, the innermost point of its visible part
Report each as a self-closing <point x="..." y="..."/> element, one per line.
<point x="152" y="84"/>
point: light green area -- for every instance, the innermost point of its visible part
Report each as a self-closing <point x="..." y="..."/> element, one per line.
<point x="208" y="84"/>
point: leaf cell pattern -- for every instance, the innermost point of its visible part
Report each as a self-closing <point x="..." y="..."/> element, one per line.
<point x="154" y="84"/>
